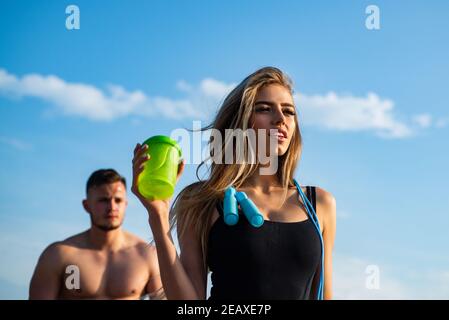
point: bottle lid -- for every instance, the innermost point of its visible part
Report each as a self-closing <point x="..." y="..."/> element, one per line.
<point x="164" y="139"/>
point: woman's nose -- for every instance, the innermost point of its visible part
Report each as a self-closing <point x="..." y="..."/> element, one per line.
<point x="278" y="117"/>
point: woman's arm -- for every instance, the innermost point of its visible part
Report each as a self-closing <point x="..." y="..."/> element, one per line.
<point x="179" y="282"/>
<point x="180" y="278"/>
<point x="327" y="209"/>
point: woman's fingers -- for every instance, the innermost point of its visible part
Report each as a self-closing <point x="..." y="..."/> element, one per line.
<point x="139" y="151"/>
<point x="138" y="162"/>
<point x="137" y="174"/>
<point x="136" y="148"/>
<point x="138" y="168"/>
<point x="141" y="160"/>
<point x="180" y="169"/>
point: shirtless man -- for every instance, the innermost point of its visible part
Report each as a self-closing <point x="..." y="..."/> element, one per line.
<point x="104" y="262"/>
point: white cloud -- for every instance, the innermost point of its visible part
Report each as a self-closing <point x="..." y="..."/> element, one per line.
<point x="331" y="111"/>
<point x="16" y="143"/>
<point x="426" y="120"/>
<point x="215" y="89"/>
<point x="73" y="98"/>
<point x="349" y="113"/>
<point x="206" y="97"/>
<point x="208" y="87"/>
<point x="441" y="123"/>
<point x="423" y="120"/>
<point x="88" y="101"/>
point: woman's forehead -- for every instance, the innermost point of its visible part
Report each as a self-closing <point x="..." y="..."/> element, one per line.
<point x="275" y="93"/>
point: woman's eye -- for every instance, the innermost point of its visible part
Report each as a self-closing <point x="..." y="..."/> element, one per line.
<point x="290" y="112"/>
<point x="262" y="109"/>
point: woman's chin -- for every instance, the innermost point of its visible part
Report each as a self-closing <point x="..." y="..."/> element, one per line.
<point x="281" y="151"/>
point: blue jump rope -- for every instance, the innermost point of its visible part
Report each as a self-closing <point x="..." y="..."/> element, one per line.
<point x="232" y="199"/>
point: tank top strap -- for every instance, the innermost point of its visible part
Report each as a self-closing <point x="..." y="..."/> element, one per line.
<point x="308" y="194"/>
<point x="311" y="195"/>
<point x="308" y="197"/>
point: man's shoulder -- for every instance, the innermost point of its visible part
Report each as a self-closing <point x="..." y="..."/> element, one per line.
<point x="73" y="242"/>
<point x="144" y="248"/>
<point x="53" y="254"/>
<point x="61" y="248"/>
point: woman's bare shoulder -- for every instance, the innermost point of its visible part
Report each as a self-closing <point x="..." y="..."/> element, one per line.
<point x="324" y="197"/>
<point x="326" y="205"/>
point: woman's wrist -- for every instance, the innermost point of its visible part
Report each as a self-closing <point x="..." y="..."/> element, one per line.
<point x="159" y="223"/>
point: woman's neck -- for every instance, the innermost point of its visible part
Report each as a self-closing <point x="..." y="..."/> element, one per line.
<point x="262" y="183"/>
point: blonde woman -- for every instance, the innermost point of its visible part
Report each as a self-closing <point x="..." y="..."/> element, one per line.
<point x="282" y="259"/>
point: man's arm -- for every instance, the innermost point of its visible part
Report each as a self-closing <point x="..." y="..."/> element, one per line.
<point x="46" y="281"/>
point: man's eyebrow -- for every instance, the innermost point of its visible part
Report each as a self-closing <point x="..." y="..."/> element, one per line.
<point x="284" y="104"/>
<point x="101" y="198"/>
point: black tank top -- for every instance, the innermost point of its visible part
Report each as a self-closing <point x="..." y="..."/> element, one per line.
<point x="276" y="261"/>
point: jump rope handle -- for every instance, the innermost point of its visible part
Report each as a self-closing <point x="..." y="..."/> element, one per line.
<point x="250" y="210"/>
<point x="230" y="207"/>
<point x="232" y="199"/>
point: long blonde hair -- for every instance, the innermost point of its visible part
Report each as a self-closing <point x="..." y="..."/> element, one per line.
<point x="193" y="207"/>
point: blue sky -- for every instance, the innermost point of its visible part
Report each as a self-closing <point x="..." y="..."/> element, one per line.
<point x="372" y="103"/>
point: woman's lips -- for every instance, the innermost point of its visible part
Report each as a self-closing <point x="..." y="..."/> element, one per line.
<point x="281" y="137"/>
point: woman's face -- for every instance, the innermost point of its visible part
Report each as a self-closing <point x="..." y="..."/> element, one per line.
<point x="274" y="109"/>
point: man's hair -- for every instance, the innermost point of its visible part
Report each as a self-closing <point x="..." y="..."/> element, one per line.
<point x="104" y="176"/>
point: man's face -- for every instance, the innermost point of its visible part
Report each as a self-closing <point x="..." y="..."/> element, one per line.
<point x="106" y="205"/>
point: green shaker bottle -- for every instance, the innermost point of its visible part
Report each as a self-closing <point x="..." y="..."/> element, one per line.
<point x="158" y="179"/>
